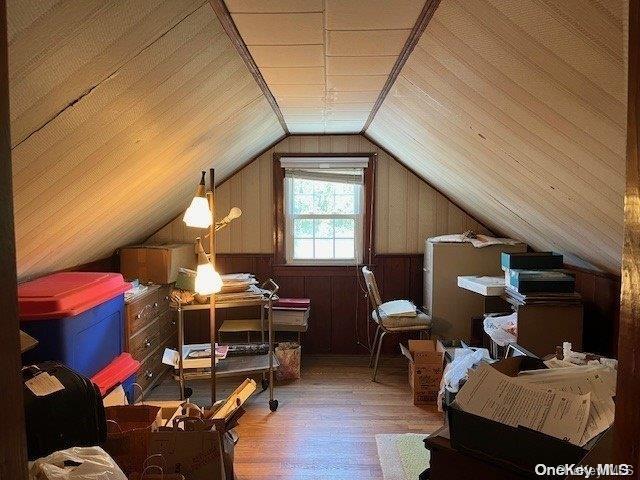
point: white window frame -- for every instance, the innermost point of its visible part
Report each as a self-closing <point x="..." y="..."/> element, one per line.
<point x="289" y="230"/>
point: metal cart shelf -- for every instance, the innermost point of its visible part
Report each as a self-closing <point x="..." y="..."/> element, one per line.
<point x="234" y="366"/>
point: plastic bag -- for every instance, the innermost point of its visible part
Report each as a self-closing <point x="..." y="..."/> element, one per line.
<point x="77" y="463"/>
<point x="289" y="356"/>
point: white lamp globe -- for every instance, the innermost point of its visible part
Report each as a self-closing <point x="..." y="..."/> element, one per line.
<point x="198" y="214"/>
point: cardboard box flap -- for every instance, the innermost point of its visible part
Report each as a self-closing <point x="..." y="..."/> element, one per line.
<point x="426" y="351"/>
<point x="405" y="351"/>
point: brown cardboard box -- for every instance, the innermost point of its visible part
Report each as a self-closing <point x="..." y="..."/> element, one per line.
<point x="450" y="306"/>
<point x="426" y="359"/>
<point x="156" y="263"/>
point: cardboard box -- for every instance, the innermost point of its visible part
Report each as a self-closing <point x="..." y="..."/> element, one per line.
<point x="450" y="306"/>
<point x="156" y="263"/>
<point x="426" y="359"/>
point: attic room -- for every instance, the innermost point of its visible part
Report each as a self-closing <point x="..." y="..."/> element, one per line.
<point x="328" y="239"/>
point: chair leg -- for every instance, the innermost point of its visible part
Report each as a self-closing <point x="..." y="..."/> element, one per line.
<point x="375" y="367"/>
<point x="373" y="346"/>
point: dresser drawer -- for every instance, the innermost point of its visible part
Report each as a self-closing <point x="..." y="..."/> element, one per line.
<point x="141" y="312"/>
<point x="168" y="327"/>
<point x="163" y="298"/>
<point x="151" y="369"/>
<point x="145" y="342"/>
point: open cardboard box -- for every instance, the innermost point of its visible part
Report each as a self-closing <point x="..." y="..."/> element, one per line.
<point x="426" y="359"/>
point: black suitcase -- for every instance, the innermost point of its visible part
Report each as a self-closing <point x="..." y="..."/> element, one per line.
<point x="72" y="417"/>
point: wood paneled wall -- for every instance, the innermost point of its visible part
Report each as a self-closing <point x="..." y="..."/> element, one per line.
<point x="626" y="442"/>
<point x="13" y="441"/>
<point x="407" y="210"/>
<point x="115" y="108"/>
<point x="339" y="316"/>
<point x="516" y="111"/>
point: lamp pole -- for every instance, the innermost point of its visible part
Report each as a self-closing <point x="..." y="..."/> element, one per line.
<point x="212" y="298"/>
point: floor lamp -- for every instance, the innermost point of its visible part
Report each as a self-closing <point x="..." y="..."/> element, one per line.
<point x="201" y="214"/>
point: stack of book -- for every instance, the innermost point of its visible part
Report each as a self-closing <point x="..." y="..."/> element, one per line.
<point x="538" y="277"/>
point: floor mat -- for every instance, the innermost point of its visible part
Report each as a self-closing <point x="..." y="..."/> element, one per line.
<point x="402" y="456"/>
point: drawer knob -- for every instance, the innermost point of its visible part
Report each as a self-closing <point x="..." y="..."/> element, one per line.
<point x="166" y="297"/>
<point x="155" y="305"/>
<point x="173" y="323"/>
<point x="147" y="343"/>
<point x="138" y="316"/>
<point x="148" y="374"/>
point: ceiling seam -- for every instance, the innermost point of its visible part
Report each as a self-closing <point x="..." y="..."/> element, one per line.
<point x="108" y="77"/>
<point x="418" y="29"/>
<point x="229" y="26"/>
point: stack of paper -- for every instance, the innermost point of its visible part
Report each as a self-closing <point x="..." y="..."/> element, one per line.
<point x="237" y="282"/>
<point x="597" y="381"/>
<point x="573" y="403"/>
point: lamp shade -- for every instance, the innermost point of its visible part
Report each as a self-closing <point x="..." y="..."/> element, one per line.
<point x="198" y="214"/>
<point x="208" y="281"/>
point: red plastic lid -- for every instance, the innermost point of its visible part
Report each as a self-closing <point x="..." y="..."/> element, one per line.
<point x="66" y="294"/>
<point x="293" y="303"/>
<point x="116" y="372"/>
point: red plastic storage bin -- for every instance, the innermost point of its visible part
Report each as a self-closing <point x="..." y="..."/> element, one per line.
<point x="122" y="371"/>
<point x="77" y="318"/>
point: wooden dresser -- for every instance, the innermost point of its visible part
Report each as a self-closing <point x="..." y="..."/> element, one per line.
<point x="150" y="327"/>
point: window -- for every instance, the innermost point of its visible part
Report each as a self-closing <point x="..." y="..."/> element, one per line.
<point x="322" y="209"/>
<point x="324" y="215"/>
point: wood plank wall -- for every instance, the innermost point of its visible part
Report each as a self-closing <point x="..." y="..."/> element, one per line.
<point x="13" y="444"/>
<point x="516" y="110"/>
<point x="407" y="212"/>
<point x="115" y="108"/>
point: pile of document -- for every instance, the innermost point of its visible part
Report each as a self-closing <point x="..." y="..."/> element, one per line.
<point x="574" y="403"/>
<point x="239" y="287"/>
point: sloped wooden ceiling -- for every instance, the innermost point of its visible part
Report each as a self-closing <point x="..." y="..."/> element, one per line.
<point x="517" y="111"/>
<point x="115" y="108"/>
<point x="325" y="61"/>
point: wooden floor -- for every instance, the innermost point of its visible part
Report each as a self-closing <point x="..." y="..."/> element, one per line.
<point x="326" y="423"/>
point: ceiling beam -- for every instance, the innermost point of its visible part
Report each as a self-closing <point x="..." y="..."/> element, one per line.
<point x="229" y="26"/>
<point x="419" y="27"/>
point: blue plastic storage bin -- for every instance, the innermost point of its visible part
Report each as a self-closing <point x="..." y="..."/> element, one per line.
<point x="77" y="318"/>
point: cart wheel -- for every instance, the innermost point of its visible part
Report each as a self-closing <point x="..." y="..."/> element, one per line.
<point x="187" y="392"/>
<point x="273" y="405"/>
<point x="265" y="384"/>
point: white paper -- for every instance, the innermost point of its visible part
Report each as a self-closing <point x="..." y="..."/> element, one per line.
<point x="493" y="395"/>
<point x="398" y="308"/>
<point x="44" y="384"/>
<point x="596" y="381"/>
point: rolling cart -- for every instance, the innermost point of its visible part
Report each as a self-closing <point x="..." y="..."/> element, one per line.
<point x="240" y="365"/>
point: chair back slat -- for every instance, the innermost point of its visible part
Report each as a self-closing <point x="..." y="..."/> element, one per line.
<point x="372" y="287"/>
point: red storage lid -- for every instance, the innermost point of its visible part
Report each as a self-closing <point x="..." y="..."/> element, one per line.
<point x="292" y="303"/>
<point x="116" y="372"/>
<point x="66" y="294"/>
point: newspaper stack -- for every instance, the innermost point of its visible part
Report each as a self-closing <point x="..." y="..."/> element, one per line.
<point x="239" y="287"/>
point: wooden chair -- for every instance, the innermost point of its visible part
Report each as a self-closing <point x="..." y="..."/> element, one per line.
<point x="421" y="322"/>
